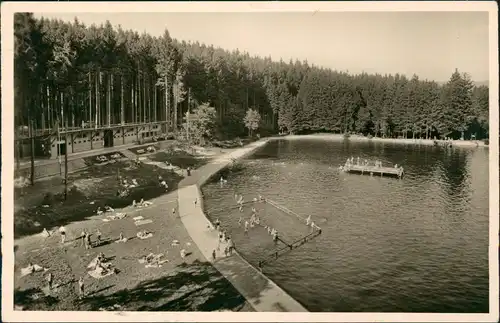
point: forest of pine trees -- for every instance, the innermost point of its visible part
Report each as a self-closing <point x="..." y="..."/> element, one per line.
<point x="72" y="74"/>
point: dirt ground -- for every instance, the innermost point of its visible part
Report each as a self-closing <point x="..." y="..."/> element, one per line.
<point x="181" y="284"/>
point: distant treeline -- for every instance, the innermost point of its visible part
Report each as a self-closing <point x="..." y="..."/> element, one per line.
<point x="76" y="74"/>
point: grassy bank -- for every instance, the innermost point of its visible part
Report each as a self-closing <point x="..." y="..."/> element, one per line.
<point x="43" y="205"/>
<point x="98" y="184"/>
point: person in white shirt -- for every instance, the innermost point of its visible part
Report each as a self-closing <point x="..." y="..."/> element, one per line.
<point x="62" y="232"/>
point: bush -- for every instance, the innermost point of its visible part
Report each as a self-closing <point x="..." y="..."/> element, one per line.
<point x="370" y="136"/>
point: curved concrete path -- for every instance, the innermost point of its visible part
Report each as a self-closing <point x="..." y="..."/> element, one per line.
<point x="263" y="294"/>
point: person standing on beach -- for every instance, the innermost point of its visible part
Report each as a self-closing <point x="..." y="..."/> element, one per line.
<point x="81" y="287"/>
<point x="82" y="237"/>
<point x="213" y="255"/>
<point x="98" y="235"/>
<point x="230" y="245"/>
<point x="49" y="281"/>
<point x="62" y="232"/>
<point x="88" y="242"/>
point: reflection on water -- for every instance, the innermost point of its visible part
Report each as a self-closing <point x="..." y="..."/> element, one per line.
<point x="414" y="245"/>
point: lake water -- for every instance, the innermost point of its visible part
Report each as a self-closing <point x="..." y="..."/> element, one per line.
<point x="419" y="244"/>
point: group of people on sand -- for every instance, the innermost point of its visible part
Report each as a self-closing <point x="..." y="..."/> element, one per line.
<point x="85" y="237"/>
<point x="125" y="186"/>
<point x="162" y="182"/>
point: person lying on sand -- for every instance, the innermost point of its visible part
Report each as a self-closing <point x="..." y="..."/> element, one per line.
<point x="144" y="234"/>
<point x="145" y="203"/>
<point x="30" y="269"/>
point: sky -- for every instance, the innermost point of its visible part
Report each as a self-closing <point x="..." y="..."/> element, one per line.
<point x="429" y="44"/>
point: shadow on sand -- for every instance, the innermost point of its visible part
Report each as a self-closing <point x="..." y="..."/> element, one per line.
<point x="194" y="287"/>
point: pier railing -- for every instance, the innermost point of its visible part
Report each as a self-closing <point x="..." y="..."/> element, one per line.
<point x="316" y="230"/>
<point x="289" y="247"/>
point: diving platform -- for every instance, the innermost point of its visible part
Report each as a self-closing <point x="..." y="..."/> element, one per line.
<point x="373" y="170"/>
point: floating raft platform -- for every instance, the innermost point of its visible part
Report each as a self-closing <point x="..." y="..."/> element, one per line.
<point x="374" y="170"/>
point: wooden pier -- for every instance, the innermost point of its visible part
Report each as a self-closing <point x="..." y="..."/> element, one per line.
<point x="374" y="170"/>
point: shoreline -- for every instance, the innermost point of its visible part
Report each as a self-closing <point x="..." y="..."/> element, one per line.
<point x="263" y="294"/>
<point x="409" y="141"/>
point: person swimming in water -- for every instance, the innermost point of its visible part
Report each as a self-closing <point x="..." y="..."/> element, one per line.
<point x="240" y="220"/>
<point x="308" y="220"/>
<point x="246" y="227"/>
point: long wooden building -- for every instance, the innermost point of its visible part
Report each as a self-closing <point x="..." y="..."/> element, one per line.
<point x="105" y="110"/>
